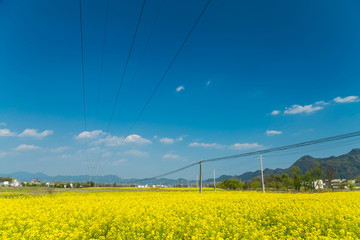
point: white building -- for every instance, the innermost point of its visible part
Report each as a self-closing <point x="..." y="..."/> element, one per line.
<point x="319" y="184"/>
<point x="15" y="183"/>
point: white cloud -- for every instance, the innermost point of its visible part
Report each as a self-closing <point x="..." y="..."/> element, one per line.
<point x="236" y="146"/>
<point x="273" y="132"/>
<point x="167" y="140"/>
<point x="317" y="106"/>
<point x="206" y="145"/>
<point x="137" y="153"/>
<point x="171" y="156"/>
<point x="137" y="139"/>
<point x="322" y="103"/>
<point x="245" y="146"/>
<point x="59" y="149"/>
<point x="118" y="162"/>
<point x="298" y="109"/>
<point x="275" y="112"/>
<point x="349" y="99"/>
<point x="6" y="133"/>
<point x="34" y="133"/>
<point x="208" y="83"/>
<point x="90" y="135"/>
<point x="112" y="141"/>
<point x="2" y="123"/>
<point x="180" y="88"/>
<point x="3" y="154"/>
<point x="25" y="147"/>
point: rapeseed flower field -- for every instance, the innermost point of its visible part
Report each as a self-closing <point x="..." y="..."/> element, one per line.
<point x="180" y="215"/>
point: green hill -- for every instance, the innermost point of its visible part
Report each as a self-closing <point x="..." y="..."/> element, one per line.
<point x="344" y="166"/>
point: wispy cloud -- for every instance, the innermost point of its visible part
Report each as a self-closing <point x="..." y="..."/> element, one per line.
<point x="171" y="156"/>
<point x="180" y="138"/>
<point x="180" y="88"/>
<point x="246" y="146"/>
<point x="35" y="134"/>
<point x="110" y="141"/>
<point x="137" y="139"/>
<point x="307" y="109"/>
<point x="113" y="141"/>
<point x="167" y="140"/>
<point x="273" y="132"/>
<point x="348" y="99"/>
<point x="3" y="154"/>
<point x="235" y="146"/>
<point x="206" y="145"/>
<point x="6" y="133"/>
<point x="137" y="153"/>
<point x="59" y="149"/>
<point x="2" y="123"/>
<point x="315" y="107"/>
<point x="275" y="112"/>
<point x="208" y="83"/>
<point x="90" y="134"/>
<point x="119" y="162"/>
<point x="25" y="147"/>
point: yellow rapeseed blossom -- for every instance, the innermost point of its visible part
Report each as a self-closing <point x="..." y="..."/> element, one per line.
<point x="180" y="215"/>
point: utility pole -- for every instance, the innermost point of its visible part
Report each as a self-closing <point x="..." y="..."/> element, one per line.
<point x="214" y="181"/>
<point x="262" y="174"/>
<point x="200" y="186"/>
<point x="197" y="181"/>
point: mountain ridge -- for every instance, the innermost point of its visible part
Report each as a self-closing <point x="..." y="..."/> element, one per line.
<point x="344" y="166"/>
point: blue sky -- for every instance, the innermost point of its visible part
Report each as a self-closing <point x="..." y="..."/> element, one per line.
<point x="252" y="75"/>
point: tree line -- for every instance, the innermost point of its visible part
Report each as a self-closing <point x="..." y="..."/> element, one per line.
<point x="295" y="180"/>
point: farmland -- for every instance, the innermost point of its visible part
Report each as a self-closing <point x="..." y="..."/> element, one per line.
<point x="113" y="214"/>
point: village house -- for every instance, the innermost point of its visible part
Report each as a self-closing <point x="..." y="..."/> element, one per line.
<point x="15" y="183"/>
<point x="35" y="181"/>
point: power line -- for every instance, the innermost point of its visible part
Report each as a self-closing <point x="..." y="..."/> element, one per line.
<point x="83" y="84"/>
<point x="168" y="68"/>
<point x="125" y="68"/>
<point x="148" y="40"/>
<point x="122" y="78"/>
<point x="124" y="73"/>
<point x="172" y="172"/>
<point x="102" y="60"/>
<point x="297" y="145"/>
<point x="331" y="145"/>
<point x="163" y="76"/>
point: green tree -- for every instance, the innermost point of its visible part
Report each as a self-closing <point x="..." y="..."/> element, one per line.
<point x="351" y="185"/>
<point x="357" y="179"/>
<point x="295" y="173"/>
<point x="232" y="184"/>
<point x="255" y="184"/>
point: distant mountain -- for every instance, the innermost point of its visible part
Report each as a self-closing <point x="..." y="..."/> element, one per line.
<point x="27" y="177"/>
<point x="344" y="166"/>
